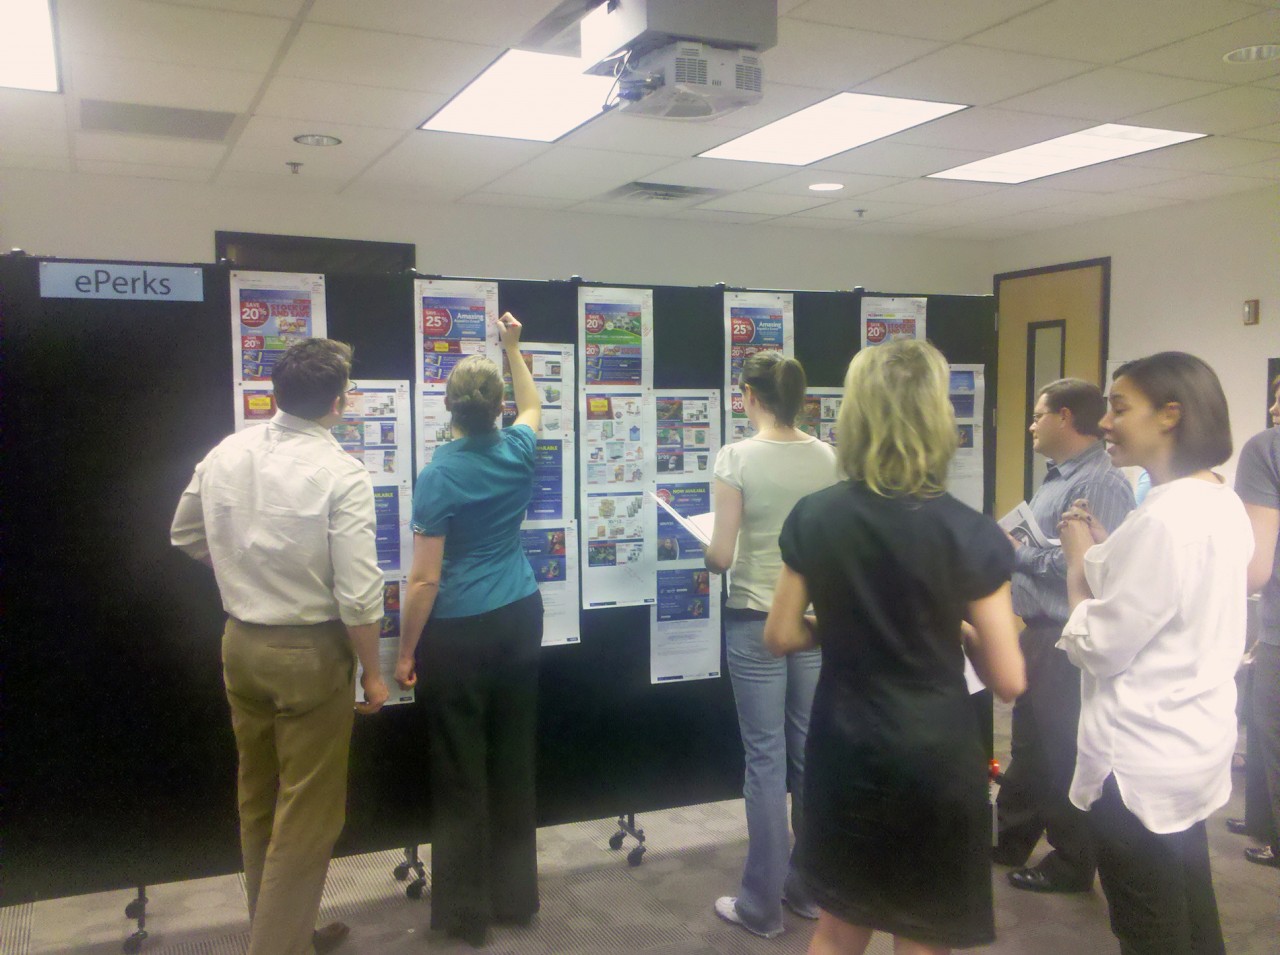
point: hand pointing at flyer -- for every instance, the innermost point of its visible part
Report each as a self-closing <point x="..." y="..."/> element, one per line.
<point x="509" y="328"/>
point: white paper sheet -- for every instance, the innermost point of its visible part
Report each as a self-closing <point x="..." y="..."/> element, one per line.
<point x="619" y="561"/>
<point x="615" y="338"/>
<point x="452" y="320"/>
<point x="552" y="549"/>
<point x="965" y="482"/>
<point x="887" y="319"/>
<point x="753" y="322"/>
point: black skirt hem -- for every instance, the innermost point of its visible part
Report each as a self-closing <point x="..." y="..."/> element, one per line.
<point x="930" y="935"/>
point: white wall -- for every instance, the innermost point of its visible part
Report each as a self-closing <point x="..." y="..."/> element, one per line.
<point x="81" y="216"/>
<point x="1179" y="279"/>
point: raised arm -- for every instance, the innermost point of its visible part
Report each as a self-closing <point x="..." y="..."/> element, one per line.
<point x="528" y="401"/>
<point x="724" y="536"/>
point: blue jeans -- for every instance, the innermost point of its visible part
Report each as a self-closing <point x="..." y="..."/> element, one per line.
<point x="774" y="696"/>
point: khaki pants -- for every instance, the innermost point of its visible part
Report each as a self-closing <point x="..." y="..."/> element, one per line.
<point x="291" y="691"/>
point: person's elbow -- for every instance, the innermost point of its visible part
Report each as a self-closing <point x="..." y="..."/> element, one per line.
<point x="715" y="562"/>
<point x="1011" y="684"/>
<point x="1259" y="573"/>
<point x="775" y="636"/>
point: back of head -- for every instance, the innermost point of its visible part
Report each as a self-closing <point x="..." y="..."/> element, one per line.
<point x="310" y="376"/>
<point x="474" y="393"/>
<point x="897" y="430"/>
<point x="1082" y="398"/>
<point x="778" y="383"/>
<point x="1202" y="438"/>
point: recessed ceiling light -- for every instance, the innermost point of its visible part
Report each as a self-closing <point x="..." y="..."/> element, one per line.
<point x="317" y="139"/>
<point x="826" y="186"/>
<point x="1253" y="54"/>
<point x="836" y="124"/>
<point x="28" y="60"/>
<point x="1085" y="148"/>
<point x="525" y="95"/>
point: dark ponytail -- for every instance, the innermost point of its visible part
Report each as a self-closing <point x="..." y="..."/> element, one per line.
<point x="779" y="384"/>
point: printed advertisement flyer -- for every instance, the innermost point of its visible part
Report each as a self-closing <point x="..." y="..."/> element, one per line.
<point x="615" y="337"/>
<point x="753" y="322"/>
<point x="819" y="413"/>
<point x="684" y="626"/>
<point x="968" y="398"/>
<point x="617" y="440"/>
<point x="688" y="425"/>
<point x="452" y="320"/>
<point x="552" y="549"/>
<point x="552" y="368"/>
<point x="891" y="319"/>
<point x="618" y="563"/>
<point x="434" y="427"/>
<point x="688" y="500"/>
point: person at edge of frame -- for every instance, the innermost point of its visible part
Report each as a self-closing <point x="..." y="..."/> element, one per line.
<point x="1157" y="628"/>
<point x="285" y="518"/>
<point x="1258" y="484"/>
<point x="473" y="591"/>
<point x="1033" y="798"/>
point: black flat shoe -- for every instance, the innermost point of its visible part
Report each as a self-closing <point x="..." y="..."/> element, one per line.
<point x="1037" y="880"/>
<point x="1262" y="855"/>
<point x="1237" y="826"/>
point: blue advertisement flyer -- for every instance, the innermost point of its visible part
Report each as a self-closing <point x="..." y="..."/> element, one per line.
<point x="617" y="547"/>
<point x="688" y="425"/>
<point x="819" y="413"/>
<point x="452" y="320"/>
<point x="684" y="626"/>
<point x="688" y="500"/>
<point x="615" y="337"/>
<point x="753" y="322"/>
<point x="388" y="644"/>
<point x="552" y="549"/>
<point x="552" y="367"/>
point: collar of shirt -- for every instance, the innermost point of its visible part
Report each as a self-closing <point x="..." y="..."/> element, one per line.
<point x="1070" y="466"/>
<point x="282" y="419"/>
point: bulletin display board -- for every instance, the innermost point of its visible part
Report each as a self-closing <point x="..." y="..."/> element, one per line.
<point x="119" y="762"/>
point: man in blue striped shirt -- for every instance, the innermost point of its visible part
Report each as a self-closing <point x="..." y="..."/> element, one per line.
<point x="1033" y="796"/>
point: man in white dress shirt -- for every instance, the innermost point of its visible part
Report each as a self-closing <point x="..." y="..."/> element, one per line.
<point x="286" y="519"/>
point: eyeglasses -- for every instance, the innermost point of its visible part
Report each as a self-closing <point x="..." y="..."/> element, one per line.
<point x="1037" y="415"/>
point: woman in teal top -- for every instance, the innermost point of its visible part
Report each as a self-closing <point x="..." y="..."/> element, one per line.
<point x="473" y="591"/>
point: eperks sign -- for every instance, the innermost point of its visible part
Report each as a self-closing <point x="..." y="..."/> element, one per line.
<point x="155" y="283"/>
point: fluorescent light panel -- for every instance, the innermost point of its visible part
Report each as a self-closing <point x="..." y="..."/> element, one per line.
<point x="837" y="124"/>
<point x="27" y="57"/>
<point x="525" y="95"/>
<point x="1074" y="151"/>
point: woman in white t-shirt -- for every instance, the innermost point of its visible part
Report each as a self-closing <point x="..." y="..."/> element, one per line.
<point x="758" y="482"/>
<point x="1157" y="628"/>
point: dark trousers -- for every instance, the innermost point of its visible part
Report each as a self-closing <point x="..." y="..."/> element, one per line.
<point x="1262" y="797"/>
<point x="1033" y="797"/>
<point x="480" y="693"/>
<point x="1159" y="887"/>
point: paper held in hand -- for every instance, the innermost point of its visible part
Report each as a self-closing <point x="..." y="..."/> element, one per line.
<point x="1021" y="523"/>
<point x="699" y="525"/>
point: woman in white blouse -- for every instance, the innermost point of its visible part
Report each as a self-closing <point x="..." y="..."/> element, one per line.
<point x="1157" y="628"/>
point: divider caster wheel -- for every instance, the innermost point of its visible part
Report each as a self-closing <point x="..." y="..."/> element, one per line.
<point x="615" y="840"/>
<point x="401" y="872"/>
<point x="414" y="889"/>
<point x="635" y="856"/>
<point x="134" y="909"/>
<point x="133" y="944"/>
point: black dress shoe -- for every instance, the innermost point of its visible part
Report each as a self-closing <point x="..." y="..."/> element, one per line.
<point x="1033" y="879"/>
<point x="1237" y="826"/>
<point x="1262" y="855"/>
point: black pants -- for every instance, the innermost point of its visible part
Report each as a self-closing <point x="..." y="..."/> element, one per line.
<point x="1262" y="802"/>
<point x="1159" y="887"/>
<point x="1033" y="797"/>
<point x="480" y="692"/>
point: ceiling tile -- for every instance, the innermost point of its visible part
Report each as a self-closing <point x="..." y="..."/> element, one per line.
<point x="138" y="30"/>
<point x="889" y="157"/>
<point x="833" y="58"/>
<point x="1014" y="199"/>
<point x="278" y="184"/>
<point x="723" y="218"/>
<point x="1200" y="57"/>
<point x="640" y="134"/>
<point x="498" y="23"/>
<point x="942" y="216"/>
<point x="1104" y="31"/>
<point x="344" y="103"/>
<point x="1270" y="134"/>
<point x="1109" y="93"/>
<point x="33" y="140"/>
<point x="989" y="130"/>
<point x="1112" y="204"/>
<point x="148" y="150"/>
<point x="1041" y="219"/>
<point x="367" y="58"/>
<point x="981" y="231"/>
<point x="1222" y="113"/>
<point x="1259" y="170"/>
<point x="20" y="160"/>
<point x="932" y="191"/>
<point x="780" y="99"/>
<point x="1201" y="186"/>
<point x="797" y="184"/>
<point x="891" y="227"/>
<point x="266" y="145"/>
<point x="1108" y="177"/>
<point x="29" y="108"/>
<point x="448" y="165"/>
<point x="162" y="84"/>
<point x="932" y="19"/>
<point x="567" y="173"/>
<point x="720" y="173"/>
<point x="639" y="210"/>
<point x="762" y="203"/>
<point x="860" y="210"/>
<point x="973" y="75"/>
<point x="143" y="170"/>
<point x="808" y="222"/>
<point x="1272" y="83"/>
<point x="271" y="8"/>
<point x="518" y="202"/>
<point x="1214" y="154"/>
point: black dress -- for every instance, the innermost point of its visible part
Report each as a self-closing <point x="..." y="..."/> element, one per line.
<point x="898" y="828"/>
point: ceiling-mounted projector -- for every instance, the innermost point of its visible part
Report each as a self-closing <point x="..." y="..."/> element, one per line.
<point x="689" y="80"/>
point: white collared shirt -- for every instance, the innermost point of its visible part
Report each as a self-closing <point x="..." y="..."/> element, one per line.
<point x="287" y="517"/>
<point x="1158" y="646"/>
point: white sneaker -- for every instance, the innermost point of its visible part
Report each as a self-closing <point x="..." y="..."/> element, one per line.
<point x="727" y="908"/>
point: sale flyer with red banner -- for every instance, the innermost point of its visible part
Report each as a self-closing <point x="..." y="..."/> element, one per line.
<point x="753" y="322"/>
<point x="889" y="319"/>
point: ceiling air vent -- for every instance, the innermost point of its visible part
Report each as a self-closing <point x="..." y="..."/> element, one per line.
<point x="657" y="192"/>
<point x="135" y="119"/>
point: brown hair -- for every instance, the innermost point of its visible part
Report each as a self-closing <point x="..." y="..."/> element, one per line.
<point x="1202" y="438"/>
<point x="1082" y="398"/>
<point x="310" y="376"/>
<point x="474" y="393"/>
<point x="778" y="383"/>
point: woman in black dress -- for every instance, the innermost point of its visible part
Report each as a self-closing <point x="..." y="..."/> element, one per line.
<point x="898" y="834"/>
